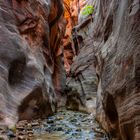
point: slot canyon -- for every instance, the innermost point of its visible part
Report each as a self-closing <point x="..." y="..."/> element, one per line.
<point x="69" y="69"/>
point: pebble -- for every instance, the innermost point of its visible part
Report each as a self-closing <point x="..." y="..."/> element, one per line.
<point x="68" y="124"/>
<point x="59" y="129"/>
<point x="73" y="120"/>
<point x="50" y="121"/>
<point x="78" y="130"/>
<point x="22" y="137"/>
<point x="30" y="132"/>
<point x="11" y="134"/>
<point x="3" y="137"/>
<point x="60" y="118"/>
<point x="21" y="133"/>
<point x="20" y="128"/>
<point x="35" y="124"/>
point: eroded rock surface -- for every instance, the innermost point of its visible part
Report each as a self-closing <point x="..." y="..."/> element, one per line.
<point x="83" y="80"/>
<point x="114" y="34"/>
<point x="72" y="9"/>
<point x="81" y="76"/>
<point x="117" y="46"/>
<point x="30" y="56"/>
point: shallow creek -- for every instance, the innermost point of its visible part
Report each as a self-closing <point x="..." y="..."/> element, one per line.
<point x="64" y="125"/>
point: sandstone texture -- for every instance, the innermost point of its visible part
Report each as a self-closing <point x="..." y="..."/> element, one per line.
<point x="82" y="79"/>
<point x="72" y="9"/>
<point x="81" y="74"/>
<point x="71" y="14"/>
<point x="30" y="58"/>
<point x="116" y="37"/>
<point x="107" y="66"/>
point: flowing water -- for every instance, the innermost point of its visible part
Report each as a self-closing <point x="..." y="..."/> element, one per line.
<point x="64" y="125"/>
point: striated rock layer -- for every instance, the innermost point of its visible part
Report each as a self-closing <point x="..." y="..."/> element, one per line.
<point x="108" y="49"/>
<point x="83" y="81"/>
<point x="30" y="58"/>
<point x="116" y="36"/>
<point x="81" y="76"/>
<point x="72" y="10"/>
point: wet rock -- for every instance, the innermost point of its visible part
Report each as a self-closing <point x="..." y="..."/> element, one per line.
<point x="34" y="124"/>
<point x="21" y="133"/>
<point x="74" y="134"/>
<point x="3" y="137"/>
<point x="30" y="132"/>
<point x="70" y="127"/>
<point x="2" y="130"/>
<point x="60" y="117"/>
<point x="78" y="130"/>
<point x="73" y="120"/>
<point x="59" y="129"/>
<point x="10" y="134"/>
<point x="21" y="138"/>
<point x="50" y="121"/>
<point x="20" y="128"/>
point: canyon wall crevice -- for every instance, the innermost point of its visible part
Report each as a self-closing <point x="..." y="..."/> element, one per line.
<point x="101" y="58"/>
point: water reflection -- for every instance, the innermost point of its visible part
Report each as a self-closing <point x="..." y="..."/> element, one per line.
<point x="69" y="125"/>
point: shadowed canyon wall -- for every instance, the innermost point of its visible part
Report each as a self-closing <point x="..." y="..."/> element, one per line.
<point x="31" y="59"/>
<point x="116" y="38"/>
<point x="107" y="66"/>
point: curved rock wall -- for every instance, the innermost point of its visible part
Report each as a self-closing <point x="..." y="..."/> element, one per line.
<point x="82" y="80"/>
<point x="30" y="58"/>
<point x="81" y="76"/>
<point x="109" y="50"/>
<point x="72" y="9"/>
<point x="116" y="35"/>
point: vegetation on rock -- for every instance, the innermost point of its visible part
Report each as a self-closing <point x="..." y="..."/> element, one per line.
<point x="87" y="10"/>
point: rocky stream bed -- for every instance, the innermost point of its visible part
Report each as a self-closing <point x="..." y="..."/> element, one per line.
<point x="64" y="125"/>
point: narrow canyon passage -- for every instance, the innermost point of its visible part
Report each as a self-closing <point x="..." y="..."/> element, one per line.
<point x="69" y="70"/>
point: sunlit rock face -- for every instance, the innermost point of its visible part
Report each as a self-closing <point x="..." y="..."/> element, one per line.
<point x="30" y="58"/>
<point x="72" y="9"/>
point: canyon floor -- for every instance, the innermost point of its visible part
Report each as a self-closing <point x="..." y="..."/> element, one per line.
<point x="63" y="125"/>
